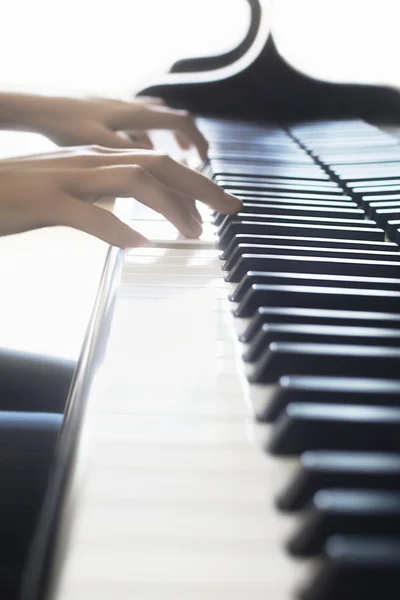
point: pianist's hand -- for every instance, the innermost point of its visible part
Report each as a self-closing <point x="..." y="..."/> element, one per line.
<point x="70" y="121"/>
<point x="59" y="188"/>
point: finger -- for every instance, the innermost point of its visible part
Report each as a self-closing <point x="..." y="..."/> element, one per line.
<point x="173" y="175"/>
<point x="182" y="140"/>
<point x="196" y="213"/>
<point x="98" y="222"/>
<point x="163" y="117"/>
<point x="137" y="142"/>
<point x="134" y="182"/>
<point x="141" y="139"/>
<point x="110" y="139"/>
<point x="146" y="140"/>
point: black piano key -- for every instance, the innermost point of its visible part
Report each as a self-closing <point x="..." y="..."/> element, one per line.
<point x="260" y="156"/>
<point x="281" y="172"/>
<point x="392" y="226"/>
<point x="291" y="358"/>
<point x="341" y="512"/>
<point x="306" y="426"/>
<point x="246" y="250"/>
<point x="310" y="279"/>
<point x="251" y="208"/>
<point x="321" y="469"/>
<point x="319" y="334"/>
<point x="297" y="219"/>
<point x="302" y="263"/>
<point x="278" y="314"/>
<point x="359" y="159"/>
<point x="383" y="216"/>
<point x="332" y="390"/>
<point x="378" y="186"/>
<point x="383" y="203"/>
<point x="293" y="199"/>
<point x="285" y="206"/>
<point x="258" y="240"/>
<point x="356" y="567"/>
<point x="276" y="184"/>
<point x="318" y="297"/>
<point x="274" y="227"/>
<point x="366" y="175"/>
<point x="393" y="197"/>
<point x="296" y="197"/>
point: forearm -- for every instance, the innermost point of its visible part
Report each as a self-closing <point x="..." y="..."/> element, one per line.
<point x="20" y="111"/>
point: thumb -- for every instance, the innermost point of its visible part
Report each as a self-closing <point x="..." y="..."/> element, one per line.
<point x="100" y="223"/>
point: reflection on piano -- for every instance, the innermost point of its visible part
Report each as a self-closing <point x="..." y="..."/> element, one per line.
<point x="240" y="436"/>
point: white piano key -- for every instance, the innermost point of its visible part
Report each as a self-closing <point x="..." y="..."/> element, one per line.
<point x="175" y="496"/>
<point x="90" y="590"/>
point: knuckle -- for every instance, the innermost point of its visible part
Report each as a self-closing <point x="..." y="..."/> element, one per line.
<point x="137" y="173"/>
<point x="161" y="159"/>
<point x="96" y="149"/>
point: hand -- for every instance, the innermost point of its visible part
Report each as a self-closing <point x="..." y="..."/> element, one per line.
<point x="59" y="188"/>
<point x="75" y="121"/>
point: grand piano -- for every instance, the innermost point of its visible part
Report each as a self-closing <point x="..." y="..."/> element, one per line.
<point x="233" y="426"/>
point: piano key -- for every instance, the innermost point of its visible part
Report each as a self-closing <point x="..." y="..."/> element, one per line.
<point x="357" y="186"/>
<point x="356" y="567"/>
<point x="332" y="390"/>
<point x="251" y="210"/>
<point x="300" y="219"/>
<point x="381" y="197"/>
<point x="291" y="358"/>
<point x="276" y="184"/>
<point x="314" y="251"/>
<point x="382" y="158"/>
<point x="295" y="197"/>
<point x="330" y="298"/>
<point x="296" y="210"/>
<point x="374" y="234"/>
<point x="278" y="314"/>
<point x="258" y="198"/>
<point x="281" y="172"/>
<point x="256" y="158"/>
<point x="319" y="334"/>
<point x="382" y="203"/>
<point x="365" y="175"/>
<point x="321" y="470"/>
<point x="351" y="512"/>
<point x="383" y="216"/>
<point x="310" y="279"/>
<point x="307" y="426"/>
<point x="254" y="241"/>
<point x="301" y="263"/>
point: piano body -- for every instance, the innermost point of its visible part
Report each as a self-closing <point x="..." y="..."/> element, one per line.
<point x="236" y="434"/>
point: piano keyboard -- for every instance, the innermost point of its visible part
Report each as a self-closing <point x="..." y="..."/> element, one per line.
<point x="242" y="438"/>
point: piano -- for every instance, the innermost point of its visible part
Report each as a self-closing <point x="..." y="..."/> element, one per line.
<point x="232" y="428"/>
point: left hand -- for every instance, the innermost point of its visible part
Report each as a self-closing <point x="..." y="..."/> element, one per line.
<point x="70" y="121"/>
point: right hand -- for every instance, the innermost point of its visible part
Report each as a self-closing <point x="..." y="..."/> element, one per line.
<point x="58" y="189"/>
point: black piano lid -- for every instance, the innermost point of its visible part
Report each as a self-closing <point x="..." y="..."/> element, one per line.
<point x="236" y="91"/>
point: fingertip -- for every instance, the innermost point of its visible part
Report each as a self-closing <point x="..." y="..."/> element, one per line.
<point x="140" y="242"/>
<point x="233" y="203"/>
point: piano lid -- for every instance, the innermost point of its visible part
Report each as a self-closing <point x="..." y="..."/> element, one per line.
<point x="254" y="81"/>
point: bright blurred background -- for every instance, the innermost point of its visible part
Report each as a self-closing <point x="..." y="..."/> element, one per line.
<point x="95" y="46"/>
